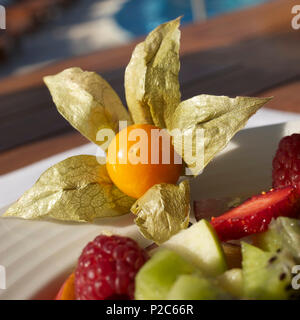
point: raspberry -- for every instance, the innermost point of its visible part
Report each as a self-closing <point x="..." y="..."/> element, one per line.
<point x="286" y="163"/>
<point x="107" y="267"/>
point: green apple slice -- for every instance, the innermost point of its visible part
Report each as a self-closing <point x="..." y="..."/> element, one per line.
<point x="200" y="245"/>
<point x="157" y="276"/>
<point x="193" y="287"/>
<point x="232" y="282"/>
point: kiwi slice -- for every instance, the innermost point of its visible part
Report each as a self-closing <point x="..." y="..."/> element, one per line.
<point x="266" y="275"/>
<point x="283" y="233"/>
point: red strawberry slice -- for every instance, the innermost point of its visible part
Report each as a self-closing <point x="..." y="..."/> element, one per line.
<point x="255" y="214"/>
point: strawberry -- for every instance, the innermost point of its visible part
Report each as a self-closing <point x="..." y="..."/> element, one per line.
<point x="255" y="214"/>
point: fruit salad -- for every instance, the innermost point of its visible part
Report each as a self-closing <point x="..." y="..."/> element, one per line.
<point x="200" y="262"/>
<point x="148" y="153"/>
<point x="193" y="265"/>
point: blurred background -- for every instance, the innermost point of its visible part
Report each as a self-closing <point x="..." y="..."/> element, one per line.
<point x="228" y="47"/>
<point x="42" y="31"/>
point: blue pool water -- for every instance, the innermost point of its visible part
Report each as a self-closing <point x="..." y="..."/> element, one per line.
<point x="140" y="16"/>
<point x="216" y="7"/>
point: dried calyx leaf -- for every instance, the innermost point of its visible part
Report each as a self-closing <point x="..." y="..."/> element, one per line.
<point x="76" y="189"/>
<point x="151" y="77"/>
<point x="219" y="117"/>
<point x="163" y="211"/>
<point x="86" y="101"/>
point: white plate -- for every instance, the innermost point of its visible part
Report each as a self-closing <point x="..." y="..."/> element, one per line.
<point x="38" y="255"/>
